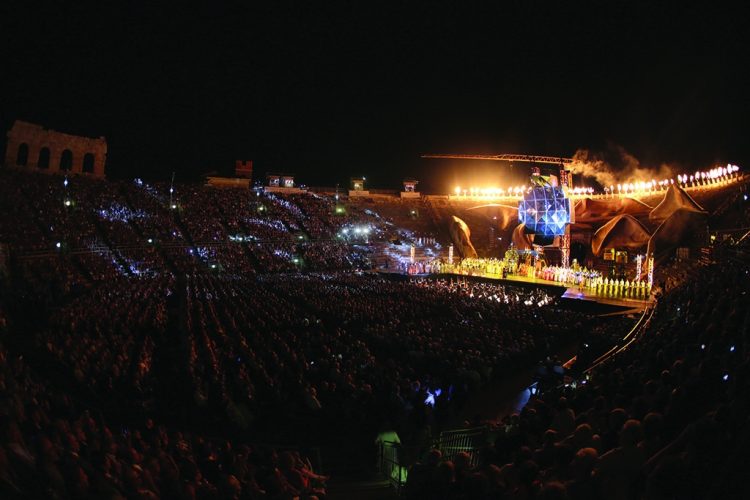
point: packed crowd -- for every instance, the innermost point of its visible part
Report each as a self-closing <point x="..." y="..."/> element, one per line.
<point x="53" y="447"/>
<point x="254" y="351"/>
<point x="134" y="227"/>
<point x="253" y="348"/>
<point x="167" y="302"/>
<point x="151" y="304"/>
<point x="666" y="418"/>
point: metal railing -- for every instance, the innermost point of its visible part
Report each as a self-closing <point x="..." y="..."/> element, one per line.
<point x="390" y="464"/>
<point x="625" y="342"/>
<point x="453" y="442"/>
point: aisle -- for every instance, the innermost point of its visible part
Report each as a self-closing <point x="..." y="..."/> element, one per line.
<point x="507" y="396"/>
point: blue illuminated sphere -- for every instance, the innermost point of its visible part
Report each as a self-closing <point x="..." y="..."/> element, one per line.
<point x="545" y="211"/>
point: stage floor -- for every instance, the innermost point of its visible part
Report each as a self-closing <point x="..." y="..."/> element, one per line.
<point x="632" y="303"/>
<point x="573" y="292"/>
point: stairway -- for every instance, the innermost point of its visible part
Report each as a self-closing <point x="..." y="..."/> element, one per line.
<point x="353" y="474"/>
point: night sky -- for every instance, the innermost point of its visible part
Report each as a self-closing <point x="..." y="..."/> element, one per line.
<point x="330" y="89"/>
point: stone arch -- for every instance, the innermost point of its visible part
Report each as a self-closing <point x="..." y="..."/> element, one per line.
<point x="37" y="137"/>
<point x="88" y="163"/>
<point x="66" y="160"/>
<point x="22" y="158"/>
<point x="43" y="158"/>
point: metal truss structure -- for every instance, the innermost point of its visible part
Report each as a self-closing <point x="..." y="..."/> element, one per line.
<point x="555" y="160"/>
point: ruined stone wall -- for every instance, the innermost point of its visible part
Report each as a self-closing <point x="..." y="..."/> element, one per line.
<point x="33" y="146"/>
<point x="243" y="168"/>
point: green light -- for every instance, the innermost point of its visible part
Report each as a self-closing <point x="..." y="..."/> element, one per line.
<point x="399" y="474"/>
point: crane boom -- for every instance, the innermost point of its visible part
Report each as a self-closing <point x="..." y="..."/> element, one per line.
<point x="505" y="157"/>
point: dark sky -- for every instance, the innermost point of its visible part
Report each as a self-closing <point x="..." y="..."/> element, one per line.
<point x="332" y="89"/>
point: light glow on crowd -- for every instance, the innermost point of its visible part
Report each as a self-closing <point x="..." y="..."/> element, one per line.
<point x="242" y="238"/>
<point x="355" y="231"/>
<point x="275" y="224"/>
<point x="283" y="254"/>
<point x="289" y="206"/>
<point x="121" y="213"/>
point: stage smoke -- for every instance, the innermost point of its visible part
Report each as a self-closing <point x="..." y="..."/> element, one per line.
<point x="615" y="166"/>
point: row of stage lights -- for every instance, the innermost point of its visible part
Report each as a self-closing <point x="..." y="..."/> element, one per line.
<point x="512" y="191"/>
<point x="711" y="177"/>
<point x="714" y="176"/>
<point x="518" y="190"/>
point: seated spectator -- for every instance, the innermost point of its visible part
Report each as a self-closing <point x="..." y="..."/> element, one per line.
<point x="618" y="469"/>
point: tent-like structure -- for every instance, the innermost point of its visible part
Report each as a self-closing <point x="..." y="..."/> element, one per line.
<point x="461" y="236"/>
<point x="623" y="231"/>
<point x="520" y="239"/>
<point x="505" y="215"/>
<point x="590" y="210"/>
<point x="684" y="228"/>
<point x="675" y="199"/>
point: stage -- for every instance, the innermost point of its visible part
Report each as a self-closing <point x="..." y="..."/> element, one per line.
<point x="620" y="300"/>
<point x="573" y="292"/>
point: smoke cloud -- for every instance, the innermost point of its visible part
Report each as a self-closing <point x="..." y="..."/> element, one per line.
<point x="616" y="166"/>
